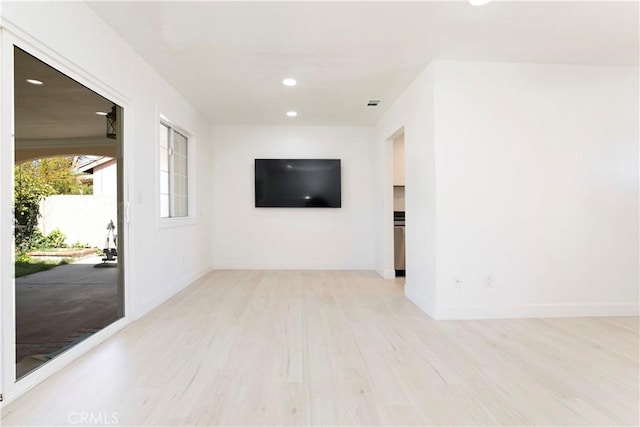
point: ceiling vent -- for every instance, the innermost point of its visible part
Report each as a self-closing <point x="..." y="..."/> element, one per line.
<point x="373" y="103"/>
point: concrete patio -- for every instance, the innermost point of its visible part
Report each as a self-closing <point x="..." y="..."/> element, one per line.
<point x="61" y="306"/>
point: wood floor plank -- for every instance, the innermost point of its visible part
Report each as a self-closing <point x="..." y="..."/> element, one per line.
<point x="341" y="348"/>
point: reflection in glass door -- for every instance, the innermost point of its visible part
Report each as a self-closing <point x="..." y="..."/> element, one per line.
<point x="69" y="276"/>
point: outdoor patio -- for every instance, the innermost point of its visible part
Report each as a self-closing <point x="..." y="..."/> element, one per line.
<point x="59" y="307"/>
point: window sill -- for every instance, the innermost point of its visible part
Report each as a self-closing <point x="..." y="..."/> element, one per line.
<point x="176" y="222"/>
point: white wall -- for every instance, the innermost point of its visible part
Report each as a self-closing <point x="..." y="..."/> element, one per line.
<point x="105" y="179"/>
<point x="398" y="160"/>
<point x="537" y="187"/>
<point x="71" y="37"/>
<point x="82" y="219"/>
<point x="524" y="174"/>
<point x="163" y="260"/>
<point x="246" y="237"/>
<point x="412" y="114"/>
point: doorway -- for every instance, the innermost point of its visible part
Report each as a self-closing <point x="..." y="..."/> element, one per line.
<point x="399" y="252"/>
<point x="68" y="181"/>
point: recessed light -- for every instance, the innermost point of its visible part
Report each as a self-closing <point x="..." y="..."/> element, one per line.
<point x="34" y="82"/>
<point x="291" y="113"/>
<point x="101" y="113"/>
<point x="478" y="2"/>
<point x="289" y="82"/>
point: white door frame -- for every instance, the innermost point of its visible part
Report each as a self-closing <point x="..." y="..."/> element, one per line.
<point x="11" y="36"/>
<point x="388" y="244"/>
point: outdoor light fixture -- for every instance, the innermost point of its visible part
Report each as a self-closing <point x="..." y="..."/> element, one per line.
<point x="111" y="123"/>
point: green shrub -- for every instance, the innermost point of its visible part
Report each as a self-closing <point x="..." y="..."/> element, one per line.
<point x="37" y="240"/>
<point x="33" y="181"/>
<point x="55" y="239"/>
<point x="29" y="189"/>
<point x="22" y="257"/>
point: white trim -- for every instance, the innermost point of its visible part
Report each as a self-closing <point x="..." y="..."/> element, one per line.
<point x="241" y="265"/>
<point x="50" y="56"/>
<point x="387" y="273"/>
<point x="14" y="36"/>
<point x="449" y="312"/>
<point x="43" y="372"/>
<point x="387" y="236"/>
<point x="7" y="333"/>
<point x="153" y="303"/>
<point x="173" y="222"/>
<point x="428" y="307"/>
<point x="471" y="312"/>
<point x="190" y="219"/>
<point x="388" y="260"/>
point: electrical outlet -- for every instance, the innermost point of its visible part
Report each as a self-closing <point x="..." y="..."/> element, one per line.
<point x="457" y="282"/>
<point x="488" y="282"/>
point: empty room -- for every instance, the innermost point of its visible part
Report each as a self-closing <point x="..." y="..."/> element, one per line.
<point x="321" y="213"/>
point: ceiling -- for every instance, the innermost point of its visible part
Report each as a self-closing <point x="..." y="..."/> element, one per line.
<point x="229" y="58"/>
<point x="60" y="108"/>
<point x="57" y="117"/>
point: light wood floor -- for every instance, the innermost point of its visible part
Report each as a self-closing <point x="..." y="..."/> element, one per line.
<point x="341" y="348"/>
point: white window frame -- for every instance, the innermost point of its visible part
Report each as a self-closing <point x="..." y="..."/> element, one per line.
<point x="176" y="221"/>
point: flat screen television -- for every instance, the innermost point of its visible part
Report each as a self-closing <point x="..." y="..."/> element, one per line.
<point x="298" y="183"/>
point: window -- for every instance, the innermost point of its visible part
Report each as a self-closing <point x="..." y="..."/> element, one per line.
<point x="174" y="184"/>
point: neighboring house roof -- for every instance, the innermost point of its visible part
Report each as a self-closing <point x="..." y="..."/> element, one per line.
<point x="86" y="164"/>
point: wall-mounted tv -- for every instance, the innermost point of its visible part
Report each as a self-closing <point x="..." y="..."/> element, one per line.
<point x="298" y="183"/>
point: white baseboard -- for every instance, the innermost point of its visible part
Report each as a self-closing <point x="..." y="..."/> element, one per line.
<point x="386" y="274"/>
<point x="160" y="298"/>
<point x="422" y="303"/>
<point x="239" y="265"/>
<point x="450" y="312"/>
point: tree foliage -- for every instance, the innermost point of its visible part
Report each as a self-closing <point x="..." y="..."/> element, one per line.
<point x="58" y="172"/>
<point x="29" y="189"/>
<point x="33" y="182"/>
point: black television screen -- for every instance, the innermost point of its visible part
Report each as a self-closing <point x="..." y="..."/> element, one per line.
<point x="298" y="183"/>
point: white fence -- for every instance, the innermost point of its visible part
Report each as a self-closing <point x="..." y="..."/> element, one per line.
<point x="82" y="219"/>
